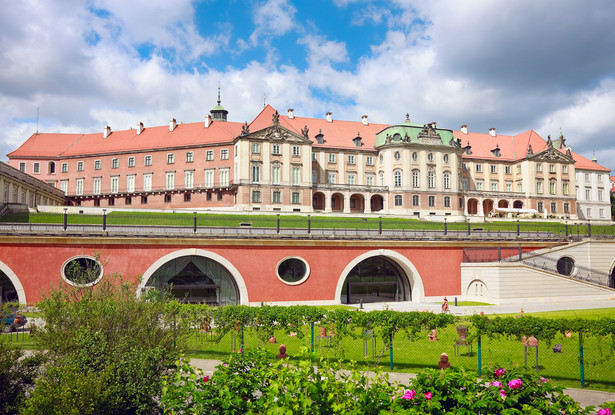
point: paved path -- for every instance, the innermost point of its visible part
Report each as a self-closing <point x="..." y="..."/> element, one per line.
<point x="585" y="397"/>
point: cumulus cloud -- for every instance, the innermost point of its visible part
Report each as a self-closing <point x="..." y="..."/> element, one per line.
<point x="272" y="18"/>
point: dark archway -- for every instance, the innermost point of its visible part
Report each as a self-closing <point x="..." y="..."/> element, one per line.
<point x="196" y="279"/>
<point x="375" y="279"/>
<point x="357" y="203"/>
<point x="518" y="204"/>
<point x="472" y="207"/>
<point x="503" y="204"/>
<point x="8" y="292"/>
<point x="337" y="202"/>
<point x="376" y="203"/>
<point x="318" y="201"/>
<point x="487" y="206"/>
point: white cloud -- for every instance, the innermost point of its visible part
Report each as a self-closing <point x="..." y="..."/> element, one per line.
<point x="272" y="18"/>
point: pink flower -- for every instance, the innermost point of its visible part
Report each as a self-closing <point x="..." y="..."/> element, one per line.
<point x="409" y="395"/>
<point x="605" y="411"/>
<point x="499" y="372"/>
<point x="206" y="379"/>
<point x="428" y="395"/>
<point x="496" y="383"/>
<point x="515" y="384"/>
<point x="542" y="380"/>
<point x="502" y="394"/>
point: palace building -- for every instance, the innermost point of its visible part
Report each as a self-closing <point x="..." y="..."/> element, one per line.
<point x="287" y="163"/>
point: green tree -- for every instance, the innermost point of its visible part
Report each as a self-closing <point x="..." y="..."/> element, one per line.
<point x="16" y="376"/>
<point x="107" y="349"/>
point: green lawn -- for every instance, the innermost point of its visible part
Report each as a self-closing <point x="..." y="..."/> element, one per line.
<point x="186" y="219"/>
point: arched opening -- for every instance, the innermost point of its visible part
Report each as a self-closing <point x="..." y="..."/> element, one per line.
<point x="356" y="203"/>
<point x="51" y="167"/>
<point x="318" y="201"/>
<point x="376" y="203"/>
<point x="612" y="278"/>
<point x="517" y="204"/>
<point x="337" y="202"/>
<point x="8" y="292"/>
<point x="487" y="206"/>
<point x="376" y="279"/>
<point x="565" y="266"/>
<point x="503" y="204"/>
<point x="196" y="279"/>
<point x="472" y="207"/>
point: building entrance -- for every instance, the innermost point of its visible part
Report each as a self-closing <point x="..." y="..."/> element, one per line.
<point x="376" y="279"/>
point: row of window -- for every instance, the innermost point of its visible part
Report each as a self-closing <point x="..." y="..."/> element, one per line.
<point x="276" y="149"/>
<point x="415" y="157"/>
<point x="276" y="197"/>
<point x="144" y="199"/>
<point x="416" y="201"/>
<point x="223" y="181"/>
<point x="493" y="168"/>
<point x="416" y="176"/>
<point x="540" y="207"/>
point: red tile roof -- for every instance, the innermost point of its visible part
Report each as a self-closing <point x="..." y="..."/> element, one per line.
<point x="586" y="164"/>
<point x="511" y="147"/>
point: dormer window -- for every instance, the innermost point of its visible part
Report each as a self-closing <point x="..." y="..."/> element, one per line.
<point x="357" y="140"/>
<point x="468" y="149"/>
<point x="320" y="138"/>
<point x="496" y="151"/>
<point x="397" y="137"/>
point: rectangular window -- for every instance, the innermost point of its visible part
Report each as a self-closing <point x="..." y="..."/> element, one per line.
<point x="147" y="182"/>
<point x="296" y="173"/>
<point x="130" y="183"/>
<point x="507" y="169"/>
<point x="209" y="178"/>
<point x="97" y="165"/>
<point x="566" y="208"/>
<point x="276" y="198"/>
<point x="37" y="167"/>
<point x="256" y="173"/>
<point x="369" y="161"/>
<point x="551" y="168"/>
<point x="589" y="212"/>
<point x="479" y="168"/>
<point x="519" y="187"/>
<point x="296" y="151"/>
<point x="553" y="207"/>
<point x="256" y="196"/>
<point x="369" y="180"/>
<point x="189" y="157"/>
<point x="224" y="154"/>
<point x="565" y="190"/>
<point x="148" y="160"/>
<point x="313" y="156"/>
<point x="519" y="169"/>
<point x="539" y="167"/>
<point x="209" y="155"/>
<point x="540" y="206"/>
<point x="464" y="184"/>
<point x="131" y="161"/>
<point x="332" y="178"/>
<point x="64" y="167"/>
<point x="601" y="212"/>
<point x="170" y="158"/>
<point x="224" y="177"/>
<point x="187" y="197"/>
<point x="509" y="187"/>
<point x="493" y="168"/>
<point x="115" y="184"/>
<point x="256" y="148"/>
<point x="586" y="177"/>
<point x="415" y="200"/>
<point x="22" y="167"/>
<point x="479" y="185"/>
<point x="600" y="195"/>
<point x="96" y="185"/>
<point x="447" y="201"/>
<point x="275" y="175"/>
<point x="565" y="169"/>
<point x="220" y="196"/>
<point x="432" y="201"/>
<point x="79" y="186"/>
<point x="115" y="163"/>
<point x="352" y="179"/>
<point x="314" y="177"/>
<point x="494" y="186"/>
<point x="79" y="166"/>
<point x="552" y="185"/>
<point x="399" y="201"/>
<point x="275" y="149"/>
<point x="539" y="186"/>
<point x="170" y="182"/>
<point x="351" y="159"/>
<point x="332" y="158"/>
<point x="588" y="194"/>
<point x="295" y="198"/>
<point x="63" y="186"/>
<point x="188" y="179"/>
<point x="464" y="167"/>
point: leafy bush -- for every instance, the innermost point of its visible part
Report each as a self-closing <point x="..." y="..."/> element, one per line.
<point x="107" y="350"/>
<point x="253" y="383"/>
<point x="16" y="377"/>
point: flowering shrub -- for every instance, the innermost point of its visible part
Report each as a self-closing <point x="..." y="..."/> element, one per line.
<point x="253" y="383"/>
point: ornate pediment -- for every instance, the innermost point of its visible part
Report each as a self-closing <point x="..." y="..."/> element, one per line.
<point x="429" y="135"/>
<point x="551" y="155"/>
<point x="276" y="132"/>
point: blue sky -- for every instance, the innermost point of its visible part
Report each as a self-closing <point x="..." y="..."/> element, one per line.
<point x="514" y="66"/>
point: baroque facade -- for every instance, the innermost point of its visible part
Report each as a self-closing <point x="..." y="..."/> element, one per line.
<point x="286" y="163"/>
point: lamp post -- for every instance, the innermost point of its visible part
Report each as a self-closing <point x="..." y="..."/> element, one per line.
<point x="104" y="219"/>
<point x="445" y="227"/>
<point x="194" y="223"/>
<point x="65" y="218"/>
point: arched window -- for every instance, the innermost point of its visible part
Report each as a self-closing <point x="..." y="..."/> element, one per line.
<point x="447" y="180"/>
<point x="381" y="178"/>
<point x="415" y="178"/>
<point x="431" y="179"/>
<point x="397" y="178"/>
